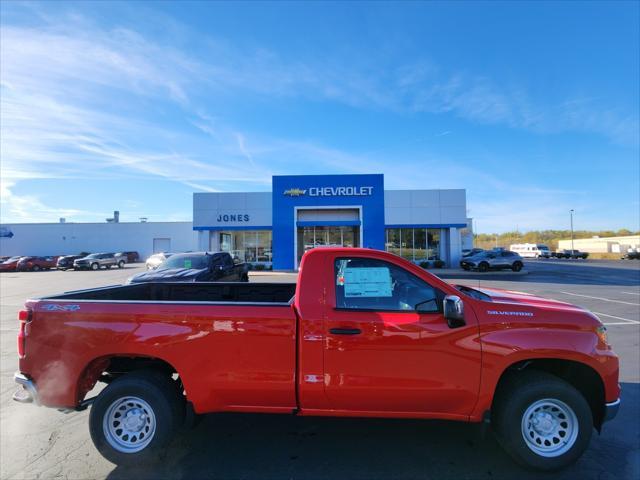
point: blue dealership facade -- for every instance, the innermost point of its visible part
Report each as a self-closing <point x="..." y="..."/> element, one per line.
<point x="308" y="211"/>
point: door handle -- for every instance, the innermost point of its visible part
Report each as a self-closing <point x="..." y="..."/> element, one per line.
<point x="345" y="331"/>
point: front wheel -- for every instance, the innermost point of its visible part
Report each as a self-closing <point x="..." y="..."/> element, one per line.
<point x="135" y="418"/>
<point x="543" y="422"/>
<point x="517" y="266"/>
<point x="121" y="264"/>
<point x="95" y="266"/>
<point x="35" y="268"/>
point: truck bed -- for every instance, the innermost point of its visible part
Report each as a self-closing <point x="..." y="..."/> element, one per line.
<point x="235" y="292"/>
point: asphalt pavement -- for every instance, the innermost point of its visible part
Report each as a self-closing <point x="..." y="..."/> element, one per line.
<point x="43" y="443"/>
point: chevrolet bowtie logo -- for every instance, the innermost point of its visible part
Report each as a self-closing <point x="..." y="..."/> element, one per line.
<point x="295" y="192"/>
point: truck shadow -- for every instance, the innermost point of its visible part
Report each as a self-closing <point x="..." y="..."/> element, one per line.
<point x="273" y="447"/>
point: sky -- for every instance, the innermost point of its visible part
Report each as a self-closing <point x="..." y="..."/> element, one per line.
<point x="533" y="108"/>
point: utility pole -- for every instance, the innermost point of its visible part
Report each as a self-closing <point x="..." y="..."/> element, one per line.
<point x="571" y="213"/>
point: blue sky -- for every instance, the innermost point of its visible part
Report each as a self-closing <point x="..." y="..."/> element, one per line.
<point x="532" y="107"/>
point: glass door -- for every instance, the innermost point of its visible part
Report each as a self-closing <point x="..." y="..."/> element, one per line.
<point x="325" y="236"/>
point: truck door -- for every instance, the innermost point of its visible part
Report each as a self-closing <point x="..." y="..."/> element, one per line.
<point x="388" y="347"/>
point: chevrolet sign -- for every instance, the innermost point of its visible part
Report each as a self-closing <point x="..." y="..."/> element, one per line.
<point x="331" y="192"/>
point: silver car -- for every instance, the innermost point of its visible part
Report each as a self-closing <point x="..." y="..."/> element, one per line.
<point x="493" y="260"/>
<point x="156" y="259"/>
<point x="95" y="261"/>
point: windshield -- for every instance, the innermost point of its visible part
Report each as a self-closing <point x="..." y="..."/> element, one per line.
<point x="543" y="247"/>
<point x="93" y="255"/>
<point x="12" y="259"/>
<point x="186" y="261"/>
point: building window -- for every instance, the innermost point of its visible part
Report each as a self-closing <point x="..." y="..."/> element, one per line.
<point x="415" y="244"/>
<point x="251" y="246"/>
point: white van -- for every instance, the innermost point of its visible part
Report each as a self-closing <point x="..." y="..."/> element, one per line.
<point x="531" y="250"/>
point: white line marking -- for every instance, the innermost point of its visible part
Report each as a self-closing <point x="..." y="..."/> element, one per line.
<point x="627" y="320"/>
<point x="631" y="293"/>
<point x="600" y="298"/>
<point x="618" y="323"/>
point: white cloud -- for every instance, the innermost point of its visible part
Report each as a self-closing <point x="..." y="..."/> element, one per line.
<point x="77" y="102"/>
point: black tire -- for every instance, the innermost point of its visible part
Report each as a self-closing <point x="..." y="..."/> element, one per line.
<point x="35" y="268"/>
<point x="165" y="401"/>
<point x="95" y="266"/>
<point x="121" y="264"/>
<point x="516" y="395"/>
<point x="483" y="267"/>
<point x="244" y="277"/>
<point x="517" y="266"/>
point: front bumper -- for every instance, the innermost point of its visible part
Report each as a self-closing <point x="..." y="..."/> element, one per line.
<point x="27" y="391"/>
<point x="611" y="410"/>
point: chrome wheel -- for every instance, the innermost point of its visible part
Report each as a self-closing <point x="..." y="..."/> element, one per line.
<point x="129" y="424"/>
<point x="549" y="427"/>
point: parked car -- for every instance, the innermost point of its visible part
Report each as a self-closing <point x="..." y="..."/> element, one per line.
<point x="34" y="264"/>
<point x="570" y="254"/>
<point x="471" y="252"/>
<point x="130" y="257"/>
<point x="4" y="258"/>
<point x="156" y="259"/>
<point x="196" y="267"/>
<point x="66" y="261"/>
<point x="493" y="260"/>
<point x="631" y="255"/>
<point x="10" y="264"/>
<point x="95" y="261"/>
<point x="358" y="335"/>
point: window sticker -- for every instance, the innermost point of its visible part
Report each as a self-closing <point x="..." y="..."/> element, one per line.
<point x="367" y="282"/>
<point x="187" y="263"/>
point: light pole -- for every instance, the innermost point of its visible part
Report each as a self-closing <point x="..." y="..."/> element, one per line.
<point x="571" y="213"/>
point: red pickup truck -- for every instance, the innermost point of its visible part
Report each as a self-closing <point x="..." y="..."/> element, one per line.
<point x="363" y="333"/>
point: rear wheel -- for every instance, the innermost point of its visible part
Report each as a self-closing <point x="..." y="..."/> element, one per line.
<point x="35" y="268"/>
<point x="483" y="267"/>
<point x="121" y="264"/>
<point x="95" y="266"/>
<point x="136" y="417"/>
<point x="543" y="422"/>
<point x="517" y="266"/>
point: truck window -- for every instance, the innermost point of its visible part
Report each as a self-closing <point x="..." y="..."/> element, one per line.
<point x="227" y="261"/>
<point x="370" y="284"/>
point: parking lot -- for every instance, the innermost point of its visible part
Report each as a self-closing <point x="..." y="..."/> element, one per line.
<point x="43" y="443"/>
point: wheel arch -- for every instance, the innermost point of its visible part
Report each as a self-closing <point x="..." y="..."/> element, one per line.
<point x="108" y="367"/>
<point x="581" y="376"/>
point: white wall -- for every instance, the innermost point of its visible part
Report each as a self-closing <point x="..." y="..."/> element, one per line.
<point x="210" y="209"/>
<point x="425" y="206"/>
<point x="71" y="238"/>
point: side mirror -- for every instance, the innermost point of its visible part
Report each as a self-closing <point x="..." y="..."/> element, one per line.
<point x="454" y="311"/>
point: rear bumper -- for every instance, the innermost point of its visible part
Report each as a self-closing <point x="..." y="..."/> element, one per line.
<point x="611" y="410"/>
<point x="27" y="391"/>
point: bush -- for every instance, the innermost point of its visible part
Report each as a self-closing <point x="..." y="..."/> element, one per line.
<point x="259" y="267"/>
<point x="438" y="264"/>
<point x="424" y="264"/>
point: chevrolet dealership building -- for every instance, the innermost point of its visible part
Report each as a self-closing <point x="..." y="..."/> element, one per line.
<point x="276" y="228"/>
<point x="303" y="212"/>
